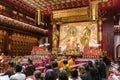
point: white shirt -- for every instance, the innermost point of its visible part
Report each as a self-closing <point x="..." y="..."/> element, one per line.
<point x="78" y="78"/>
<point x="18" y="76"/>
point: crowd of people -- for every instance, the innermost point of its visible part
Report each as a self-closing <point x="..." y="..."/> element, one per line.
<point x="60" y="68"/>
<point x="114" y="70"/>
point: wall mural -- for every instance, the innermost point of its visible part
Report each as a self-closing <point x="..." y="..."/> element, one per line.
<point x="74" y="35"/>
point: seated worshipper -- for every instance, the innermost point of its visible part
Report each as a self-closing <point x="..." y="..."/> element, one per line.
<point x="48" y="68"/>
<point x="60" y="62"/>
<point x="18" y="75"/>
<point x="36" y="76"/>
<point x="29" y="70"/>
<point x="103" y="69"/>
<point x="93" y="70"/>
<point x="62" y="75"/>
<point x="66" y="66"/>
<point x="97" y="65"/>
<point x="115" y="63"/>
<point x="74" y="75"/>
<point x="84" y="72"/>
<point x="115" y="75"/>
<point x="10" y="70"/>
<point x="50" y="75"/>
<point x="55" y="68"/>
<point x="30" y="64"/>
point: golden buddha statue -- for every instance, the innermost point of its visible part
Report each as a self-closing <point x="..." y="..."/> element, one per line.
<point x="86" y="37"/>
<point x="71" y="38"/>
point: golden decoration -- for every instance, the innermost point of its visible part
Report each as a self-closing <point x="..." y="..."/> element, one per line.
<point x="94" y="10"/>
<point x="55" y="36"/>
<point x="100" y="36"/>
<point x="70" y="12"/>
<point x="70" y="15"/>
<point x="86" y="37"/>
<point x="38" y="16"/>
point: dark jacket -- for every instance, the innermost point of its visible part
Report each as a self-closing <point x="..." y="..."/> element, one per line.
<point x="86" y="76"/>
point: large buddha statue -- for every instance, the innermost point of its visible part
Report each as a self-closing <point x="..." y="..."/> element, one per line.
<point x="71" y="38"/>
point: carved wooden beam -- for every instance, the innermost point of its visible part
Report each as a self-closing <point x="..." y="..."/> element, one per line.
<point x="20" y="25"/>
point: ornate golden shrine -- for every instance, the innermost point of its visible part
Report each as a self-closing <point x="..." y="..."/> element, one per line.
<point x="85" y="14"/>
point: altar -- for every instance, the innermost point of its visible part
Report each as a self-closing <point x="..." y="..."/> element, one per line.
<point x="39" y="50"/>
<point x="91" y="52"/>
<point x="79" y="38"/>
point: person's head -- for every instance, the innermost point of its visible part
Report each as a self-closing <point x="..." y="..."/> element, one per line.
<point x="18" y="67"/>
<point x="86" y="67"/>
<point x="48" y="66"/>
<point x="9" y="72"/>
<point x="37" y="74"/>
<point x="29" y="61"/>
<point x="96" y="61"/>
<point x="101" y="60"/>
<point x="11" y="64"/>
<point x="54" y="64"/>
<point x="74" y="73"/>
<point x="62" y="75"/>
<point x="50" y="76"/>
<point x="28" y="71"/>
<point x="81" y="69"/>
<point x="65" y="62"/>
<point x="90" y="63"/>
<point x="116" y="60"/>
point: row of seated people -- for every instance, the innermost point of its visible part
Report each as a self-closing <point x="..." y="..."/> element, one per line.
<point x="114" y="70"/>
<point x="54" y="71"/>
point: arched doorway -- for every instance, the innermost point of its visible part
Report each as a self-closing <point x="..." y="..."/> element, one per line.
<point x="118" y="50"/>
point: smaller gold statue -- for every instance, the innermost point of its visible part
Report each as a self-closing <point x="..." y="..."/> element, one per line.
<point x="55" y="37"/>
<point x="86" y="37"/>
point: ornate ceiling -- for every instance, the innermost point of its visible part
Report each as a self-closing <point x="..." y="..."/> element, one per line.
<point x="47" y="6"/>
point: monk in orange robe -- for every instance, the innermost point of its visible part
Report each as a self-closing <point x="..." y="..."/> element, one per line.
<point x="70" y="61"/>
<point x="60" y="62"/>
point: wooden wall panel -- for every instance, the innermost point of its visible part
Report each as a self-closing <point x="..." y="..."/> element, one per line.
<point x="108" y="37"/>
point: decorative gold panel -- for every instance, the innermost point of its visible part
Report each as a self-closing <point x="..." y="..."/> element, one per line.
<point x="72" y="15"/>
<point x="75" y="18"/>
<point x="70" y="12"/>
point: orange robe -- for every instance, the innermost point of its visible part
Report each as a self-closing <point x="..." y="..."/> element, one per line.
<point x="60" y="63"/>
<point x="71" y="62"/>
